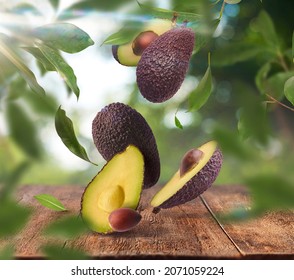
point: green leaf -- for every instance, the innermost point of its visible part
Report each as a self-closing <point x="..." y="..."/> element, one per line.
<point x="24" y="71"/>
<point x="236" y="52"/>
<point x="12" y="180"/>
<point x="178" y="123"/>
<point x="22" y="130"/>
<point x="169" y="14"/>
<point x="63" y="36"/>
<point x="61" y="66"/>
<point x="238" y="214"/>
<point x="274" y="85"/>
<point x="204" y="32"/>
<point x="65" y="130"/>
<point x="54" y="3"/>
<point x="7" y="70"/>
<point x="200" y="95"/>
<point x="230" y="143"/>
<point x="24" y="8"/>
<point x="45" y="105"/>
<point x="41" y="57"/>
<point x="253" y="120"/>
<point x="13" y="218"/>
<point x="289" y="89"/>
<point x="232" y="1"/>
<point x="271" y="192"/>
<point x="293" y="46"/>
<point x="50" y="202"/>
<point x="83" y="8"/>
<point x="55" y="252"/>
<point x="7" y="253"/>
<point x="68" y="228"/>
<point x="260" y="78"/>
<point x="124" y="35"/>
<point x="265" y="26"/>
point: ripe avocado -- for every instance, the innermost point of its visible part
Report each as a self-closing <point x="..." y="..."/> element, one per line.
<point x="185" y="187"/>
<point x="164" y="64"/>
<point x="117" y="185"/>
<point x="117" y="126"/>
<point x="129" y="54"/>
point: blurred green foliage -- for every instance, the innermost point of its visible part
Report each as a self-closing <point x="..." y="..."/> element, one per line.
<point x="246" y="102"/>
<point x="67" y="228"/>
<point x="59" y="252"/>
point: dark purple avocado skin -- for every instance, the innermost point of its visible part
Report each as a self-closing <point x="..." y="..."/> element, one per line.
<point x="117" y="126"/>
<point x="114" y="52"/>
<point x="197" y="184"/>
<point x="164" y="64"/>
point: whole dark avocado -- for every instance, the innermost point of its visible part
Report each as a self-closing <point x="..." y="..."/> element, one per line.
<point x="164" y="64"/>
<point x="117" y="126"/>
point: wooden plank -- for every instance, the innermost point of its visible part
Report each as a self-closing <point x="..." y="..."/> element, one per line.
<point x="269" y="236"/>
<point x="29" y="241"/>
<point x="188" y="231"/>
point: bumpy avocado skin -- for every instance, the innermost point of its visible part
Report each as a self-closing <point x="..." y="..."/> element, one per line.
<point x="117" y="126"/>
<point x="197" y="184"/>
<point x="164" y="64"/>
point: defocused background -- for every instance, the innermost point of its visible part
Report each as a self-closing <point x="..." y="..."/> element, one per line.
<point x="238" y="52"/>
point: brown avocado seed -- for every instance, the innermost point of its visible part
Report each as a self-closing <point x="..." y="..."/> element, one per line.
<point x="142" y="41"/>
<point x="190" y="160"/>
<point x="124" y="219"/>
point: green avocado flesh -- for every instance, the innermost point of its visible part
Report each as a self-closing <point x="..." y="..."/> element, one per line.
<point x="125" y="55"/>
<point x="117" y="185"/>
<point x="181" y="189"/>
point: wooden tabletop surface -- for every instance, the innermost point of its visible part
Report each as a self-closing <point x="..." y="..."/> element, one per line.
<point x="187" y="231"/>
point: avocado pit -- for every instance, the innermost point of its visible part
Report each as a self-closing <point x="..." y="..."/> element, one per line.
<point x="190" y="160"/>
<point x="142" y="41"/>
<point x="124" y="219"/>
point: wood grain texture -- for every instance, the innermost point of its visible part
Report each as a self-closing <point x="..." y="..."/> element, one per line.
<point x="187" y="231"/>
<point x="269" y="236"/>
<point x="29" y="241"/>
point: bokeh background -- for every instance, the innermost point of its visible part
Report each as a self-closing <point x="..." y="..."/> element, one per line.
<point x="238" y="52"/>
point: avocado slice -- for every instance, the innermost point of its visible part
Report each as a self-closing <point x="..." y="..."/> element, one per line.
<point x="117" y="126"/>
<point x="117" y="185"/>
<point x="192" y="178"/>
<point x="164" y="64"/>
<point x="129" y="54"/>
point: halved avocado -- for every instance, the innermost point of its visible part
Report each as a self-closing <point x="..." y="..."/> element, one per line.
<point x="129" y="54"/>
<point x="118" y="184"/>
<point x="196" y="179"/>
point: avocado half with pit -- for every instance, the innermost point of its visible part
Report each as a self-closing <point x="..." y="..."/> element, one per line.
<point x="116" y="127"/>
<point x="117" y="185"/>
<point x="129" y="54"/>
<point x="198" y="170"/>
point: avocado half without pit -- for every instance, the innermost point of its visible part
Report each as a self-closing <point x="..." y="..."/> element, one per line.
<point x="109" y="200"/>
<point x="198" y="170"/>
<point x="129" y="54"/>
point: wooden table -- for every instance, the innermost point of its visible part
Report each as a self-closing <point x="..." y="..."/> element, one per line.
<point x="190" y="231"/>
